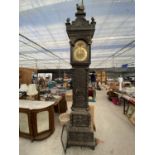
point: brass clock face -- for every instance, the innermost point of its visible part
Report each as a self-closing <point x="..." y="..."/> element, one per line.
<point x="80" y="52"/>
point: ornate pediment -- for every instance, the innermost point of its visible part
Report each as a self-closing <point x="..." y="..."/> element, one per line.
<point x="80" y="24"/>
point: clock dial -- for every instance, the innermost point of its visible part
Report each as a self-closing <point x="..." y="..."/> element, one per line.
<point x="80" y="53"/>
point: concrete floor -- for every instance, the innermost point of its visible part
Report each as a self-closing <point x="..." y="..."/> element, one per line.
<point x="112" y="126"/>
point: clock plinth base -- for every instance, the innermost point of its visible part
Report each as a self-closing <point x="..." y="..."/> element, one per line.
<point x="80" y="130"/>
<point x="81" y="136"/>
<point x="80" y="119"/>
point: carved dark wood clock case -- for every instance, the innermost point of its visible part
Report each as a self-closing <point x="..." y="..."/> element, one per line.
<point x="80" y="32"/>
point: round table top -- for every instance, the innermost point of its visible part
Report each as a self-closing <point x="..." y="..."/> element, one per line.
<point x="28" y="104"/>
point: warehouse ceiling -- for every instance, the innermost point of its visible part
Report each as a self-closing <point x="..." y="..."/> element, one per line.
<point x="44" y="44"/>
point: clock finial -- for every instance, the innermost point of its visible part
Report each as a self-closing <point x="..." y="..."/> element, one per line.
<point x="80" y="6"/>
<point x="82" y="2"/>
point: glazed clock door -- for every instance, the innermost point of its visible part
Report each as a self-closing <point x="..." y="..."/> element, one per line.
<point x="80" y="53"/>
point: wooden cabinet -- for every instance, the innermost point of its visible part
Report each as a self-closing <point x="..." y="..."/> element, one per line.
<point x="25" y="75"/>
<point x="36" y="118"/>
<point x="61" y="105"/>
<point x="36" y="123"/>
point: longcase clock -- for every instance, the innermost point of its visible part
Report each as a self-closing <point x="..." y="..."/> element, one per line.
<point x="80" y="32"/>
